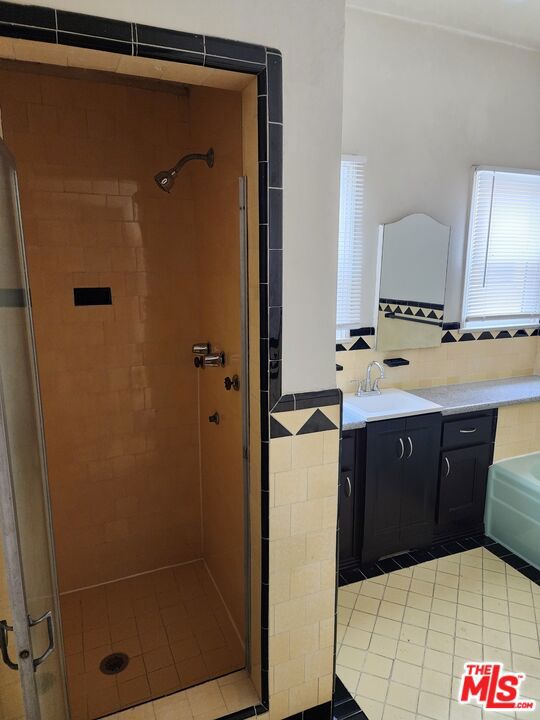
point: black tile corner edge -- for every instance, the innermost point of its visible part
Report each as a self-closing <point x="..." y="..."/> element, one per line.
<point x="451" y="325"/>
<point x="29" y="15"/>
<point x="274" y="89"/>
<point x="395" y="362"/>
<point x="172" y="39"/>
<point x="360" y="332"/>
<point x="319" y="712"/>
<point x="284" y="404"/>
<point x="93" y="26"/>
<point x="236" y="50"/>
<point x="240" y="714"/>
<point x="98" y="33"/>
<point x="318" y="398"/>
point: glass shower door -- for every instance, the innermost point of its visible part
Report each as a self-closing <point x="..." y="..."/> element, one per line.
<point x="30" y="642"/>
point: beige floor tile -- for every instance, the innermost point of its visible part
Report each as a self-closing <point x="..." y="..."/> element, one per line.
<point x="377" y="665"/>
<point x="436" y="682"/>
<point x="357" y="638"/>
<point x="402" y="696"/>
<point x="406" y="673"/>
<point x="382" y="645"/>
<point x="372" y="708"/>
<point x="370" y="686"/>
<point x="418" y="628"/>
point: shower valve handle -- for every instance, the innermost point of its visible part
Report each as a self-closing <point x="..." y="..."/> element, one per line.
<point x="233" y="383"/>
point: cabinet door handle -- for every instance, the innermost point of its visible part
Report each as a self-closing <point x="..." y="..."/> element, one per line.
<point x="348" y="489"/>
<point x="468" y="431"/>
<point x="447" y="461"/>
<point x="410" y="446"/>
<point x="402" y="448"/>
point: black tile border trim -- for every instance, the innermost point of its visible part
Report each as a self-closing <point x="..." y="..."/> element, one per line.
<point x="412" y="303"/>
<point x="32" y="22"/>
<point x="303" y="401"/>
<point x="438" y="550"/>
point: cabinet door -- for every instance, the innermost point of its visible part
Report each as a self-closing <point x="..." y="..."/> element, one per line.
<point x="347" y="499"/>
<point x="462" y="490"/>
<point x="420" y="472"/>
<point x="384" y="464"/>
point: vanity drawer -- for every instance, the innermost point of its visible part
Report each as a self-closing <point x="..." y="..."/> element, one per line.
<point x="472" y="429"/>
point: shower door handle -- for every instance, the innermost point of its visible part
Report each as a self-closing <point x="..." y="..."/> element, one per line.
<point x="4" y="629"/>
<point x="50" y="632"/>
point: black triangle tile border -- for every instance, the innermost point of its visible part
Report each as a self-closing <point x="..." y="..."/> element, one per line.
<point x="318" y="422"/>
<point x="278" y="430"/>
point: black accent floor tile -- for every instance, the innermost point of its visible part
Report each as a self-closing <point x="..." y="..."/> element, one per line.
<point x="420" y="556"/>
<point x="319" y="712"/>
<point x="514" y="561"/>
<point x="498" y="550"/>
<point x="388" y="565"/>
<point x="453" y="547"/>
<point x="532" y="573"/>
<point x="405" y="560"/>
<point x="438" y="551"/>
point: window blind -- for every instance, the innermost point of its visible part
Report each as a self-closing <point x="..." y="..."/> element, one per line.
<point x="350" y="245"/>
<point x="502" y="286"/>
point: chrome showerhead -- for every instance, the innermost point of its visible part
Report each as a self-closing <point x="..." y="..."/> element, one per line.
<point x="165" y="179"/>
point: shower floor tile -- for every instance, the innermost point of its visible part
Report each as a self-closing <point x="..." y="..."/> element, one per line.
<point x="172" y="625"/>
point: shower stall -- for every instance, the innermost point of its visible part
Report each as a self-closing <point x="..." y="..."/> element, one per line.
<point x="124" y="390"/>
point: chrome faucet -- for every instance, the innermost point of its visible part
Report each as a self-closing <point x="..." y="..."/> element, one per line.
<point x="366" y="385"/>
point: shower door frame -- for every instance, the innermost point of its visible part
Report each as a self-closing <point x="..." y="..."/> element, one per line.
<point x="66" y="29"/>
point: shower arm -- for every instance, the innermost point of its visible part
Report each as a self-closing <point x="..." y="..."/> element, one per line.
<point x="187" y="158"/>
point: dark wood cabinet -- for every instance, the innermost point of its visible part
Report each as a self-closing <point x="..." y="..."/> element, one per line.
<point x="467" y="452"/>
<point x="350" y="495"/>
<point x="409" y="482"/>
<point x="400" y="484"/>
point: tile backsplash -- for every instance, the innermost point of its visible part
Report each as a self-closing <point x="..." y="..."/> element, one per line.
<point x="447" y="364"/>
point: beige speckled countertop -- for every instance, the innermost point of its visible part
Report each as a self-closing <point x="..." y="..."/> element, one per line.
<point x="470" y="397"/>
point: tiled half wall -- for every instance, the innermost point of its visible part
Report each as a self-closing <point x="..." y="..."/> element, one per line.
<point x="304" y="451"/>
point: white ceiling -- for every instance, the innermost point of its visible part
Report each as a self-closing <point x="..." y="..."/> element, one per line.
<point x="513" y="21"/>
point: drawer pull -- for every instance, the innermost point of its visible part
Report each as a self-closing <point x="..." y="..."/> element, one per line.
<point x="402" y="448"/>
<point x="468" y="431"/>
<point x="348" y="489"/>
<point x="447" y="461"/>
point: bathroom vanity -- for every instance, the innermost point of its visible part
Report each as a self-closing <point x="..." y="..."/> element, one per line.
<point x="411" y="481"/>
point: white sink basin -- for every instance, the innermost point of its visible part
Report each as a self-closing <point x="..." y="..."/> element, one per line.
<point x="391" y="403"/>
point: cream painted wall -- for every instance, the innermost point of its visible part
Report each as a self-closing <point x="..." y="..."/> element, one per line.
<point x="310" y="35"/>
<point x="423" y="105"/>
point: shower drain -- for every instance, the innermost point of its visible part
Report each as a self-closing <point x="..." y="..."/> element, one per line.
<point x="114" y="664"/>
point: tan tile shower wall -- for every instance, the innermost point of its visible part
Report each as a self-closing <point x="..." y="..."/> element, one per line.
<point x="118" y="385"/>
<point x="446" y="364"/>
<point x="216" y="120"/>
<point x="303" y="514"/>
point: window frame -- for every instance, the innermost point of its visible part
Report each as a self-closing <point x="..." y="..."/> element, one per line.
<point x="361" y="160"/>
<point x="496" y="324"/>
